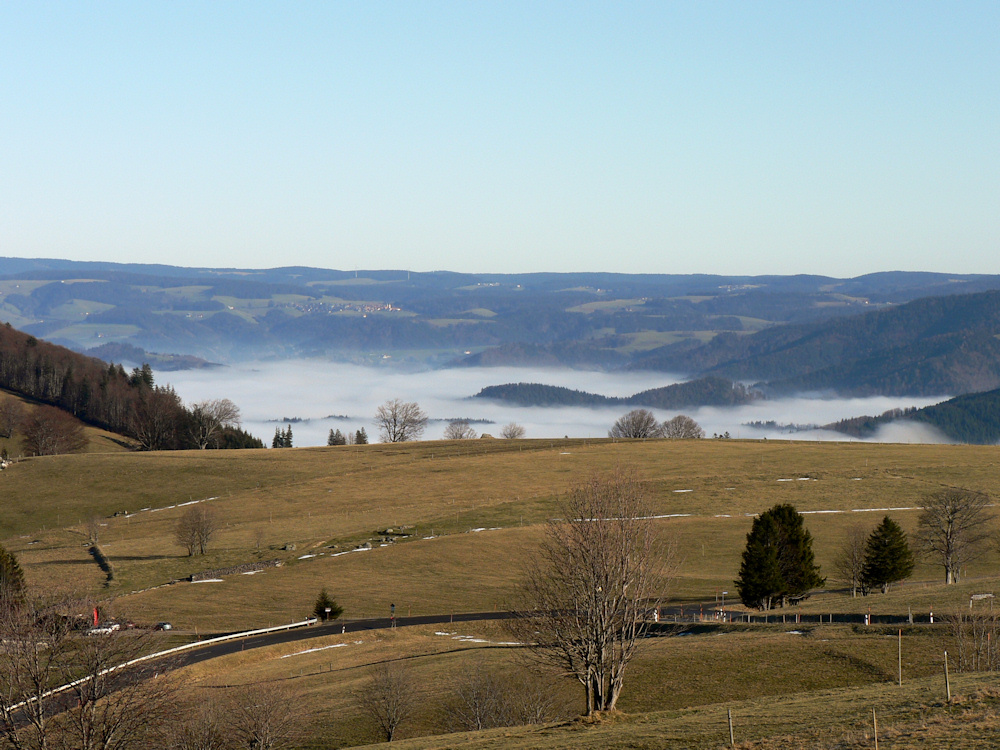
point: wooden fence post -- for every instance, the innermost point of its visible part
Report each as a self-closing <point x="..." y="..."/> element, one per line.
<point x="947" y="682"/>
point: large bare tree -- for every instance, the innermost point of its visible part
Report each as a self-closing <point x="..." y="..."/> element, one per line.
<point x="389" y="698"/>
<point x="682" y="427"/>
<point x="209" y="418"/>
<point x="512" y="431"/>
<point x="638" y="423"/>
<point x="954" y="527"/>
<point x="587" y="598"/>
<point x="48" y="431"/>
<point x="400" y="421"/>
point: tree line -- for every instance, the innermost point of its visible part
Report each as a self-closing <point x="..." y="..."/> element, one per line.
<point x="106" y="396"/>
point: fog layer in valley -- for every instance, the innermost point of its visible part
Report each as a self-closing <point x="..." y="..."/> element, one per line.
<point x="318" y="392"/>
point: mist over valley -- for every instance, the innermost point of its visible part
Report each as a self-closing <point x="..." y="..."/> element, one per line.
<point x="328" y="395"/>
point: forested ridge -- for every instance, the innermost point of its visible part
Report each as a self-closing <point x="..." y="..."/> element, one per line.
<point x="971" y="418"/>
<point x="104" y="395"/>
<point x="710" y="391"/>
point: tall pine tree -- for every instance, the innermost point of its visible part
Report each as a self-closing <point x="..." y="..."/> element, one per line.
<point x="888" y="558"/>
<point x="778" y="562"/>
<point x="11" y="577"/>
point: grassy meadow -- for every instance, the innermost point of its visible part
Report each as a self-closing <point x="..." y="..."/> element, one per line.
<point x="473" y="511"/>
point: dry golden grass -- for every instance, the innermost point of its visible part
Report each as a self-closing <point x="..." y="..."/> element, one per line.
<point x="327" y="500"/>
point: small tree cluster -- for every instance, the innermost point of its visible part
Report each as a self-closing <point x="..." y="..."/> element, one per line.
<point x="195" y="529"/>
<point x="778" y="562"/>
<point x="282" y="438"/>
<point x="336" y="437"/>
<point x="642" y="423"/>
<point x="48" y="431"/>
<point x="361" y="437"/>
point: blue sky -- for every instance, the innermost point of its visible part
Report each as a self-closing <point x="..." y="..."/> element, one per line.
<point x="837" y="138"/>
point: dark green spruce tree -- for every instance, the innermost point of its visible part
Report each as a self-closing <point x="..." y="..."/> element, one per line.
<point x="361" y="437"/>
<point x="323" y="602"/>
<point x="888" y="558"/>
<point x="11" y="577"/>
<point x="778" y="562"/>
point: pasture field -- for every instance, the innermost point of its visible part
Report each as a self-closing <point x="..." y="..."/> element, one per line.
<point x="473" y="512"/>
<point x="678" y="688"/>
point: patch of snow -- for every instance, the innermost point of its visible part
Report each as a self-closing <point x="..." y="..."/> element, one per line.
<point x="683" y="490"/>
<point x="209" y="580"/>
<point x="313" y="650"/>
<point x="794" y="632"/>
<point x="357" y="549"/>
<point x="305" y="557"/>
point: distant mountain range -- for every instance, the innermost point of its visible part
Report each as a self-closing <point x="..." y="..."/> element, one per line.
<point x="890" y="333"/>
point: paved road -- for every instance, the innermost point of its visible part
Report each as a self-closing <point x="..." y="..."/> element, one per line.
<point x="336" y="627"/>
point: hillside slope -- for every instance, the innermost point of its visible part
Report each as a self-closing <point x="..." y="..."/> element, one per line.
<point x="931" y="346"/>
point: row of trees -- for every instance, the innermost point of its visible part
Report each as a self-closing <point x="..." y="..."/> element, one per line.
<point x="642" y="423"/>
<point x="778" y="564"/>
<point x="402" y="421"/>
<point x="336" y="437"/>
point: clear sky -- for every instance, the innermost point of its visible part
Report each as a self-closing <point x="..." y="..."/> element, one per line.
<point x="838" y="138"/>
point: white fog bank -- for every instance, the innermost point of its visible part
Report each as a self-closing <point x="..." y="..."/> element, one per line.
<point x="315" y="391"/>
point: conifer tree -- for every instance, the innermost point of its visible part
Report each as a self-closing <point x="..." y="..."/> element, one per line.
<point x="288" y="437"/>
<point x="778" y="561"/>
<point x="11" y="577"/>
<point x="361" y="438"/>
<point x="323" y="602"/>
<point x="888" y="558"/>
<point x="278" y="440"/>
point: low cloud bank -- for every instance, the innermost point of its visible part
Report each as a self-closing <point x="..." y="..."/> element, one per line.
<point x="313" y="390"/>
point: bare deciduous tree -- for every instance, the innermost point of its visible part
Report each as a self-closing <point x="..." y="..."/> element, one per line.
<point x="200" y="727"/>
<point x="638" y="423"/>
<point x="459" y="430"/>
<point x="850" y="561"/>
<point x="400" y="421"/>
<point x="208" y="418"/>
<point x="388" y="698"/>
<point x="485" y="699"/>
<point x="512" y="431"/>
<point x="115" y="704"/>
<point x="195" y="529"/>
<point x="11" y="414"/>
<point x="586" y="598"/>
<point x="262" y="717"/>
<point x="48" y="431"/>
<point x="34" y="650"/>
<point x="953" y="528"/>
<point x="682" y="427"/>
